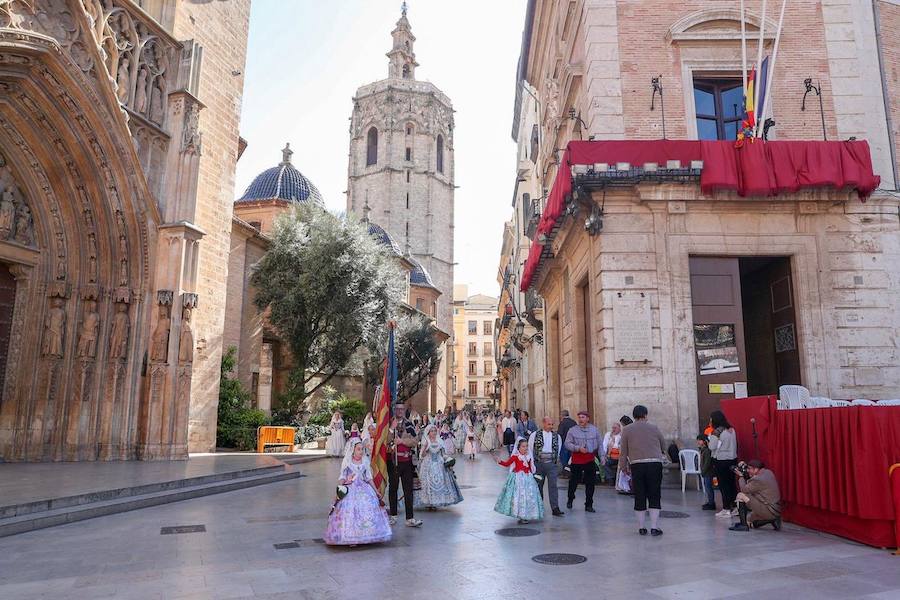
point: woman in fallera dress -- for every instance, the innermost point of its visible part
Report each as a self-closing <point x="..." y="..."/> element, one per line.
<point x="438" y="483"/>
<point x="459" y="431"/>
<point x="520" y="498"/>
<point x="448" y="440"/>
<point x="470" y="449"/>
<point x="335" y="444"/>
<point x="358" y="517"/>
<point x="490" y="433"/>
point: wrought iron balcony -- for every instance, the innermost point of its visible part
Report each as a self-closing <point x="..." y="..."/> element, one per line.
<point x="532" y="216"/>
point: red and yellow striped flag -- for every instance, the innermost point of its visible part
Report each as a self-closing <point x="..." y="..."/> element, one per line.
<point x="383" y="417"/>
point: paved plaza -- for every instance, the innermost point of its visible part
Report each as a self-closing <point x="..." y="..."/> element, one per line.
<point x="456" y="554"/>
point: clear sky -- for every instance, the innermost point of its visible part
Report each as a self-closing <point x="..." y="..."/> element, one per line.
<point x="307" y="57"/>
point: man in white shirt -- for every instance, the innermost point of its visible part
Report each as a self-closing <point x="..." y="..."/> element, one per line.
<point x="545" y="446"/>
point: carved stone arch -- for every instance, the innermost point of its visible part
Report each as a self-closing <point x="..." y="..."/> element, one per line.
<point x="719" y="24"/>
<point x="77" y="397"/>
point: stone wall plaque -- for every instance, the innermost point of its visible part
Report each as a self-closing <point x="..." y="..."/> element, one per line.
<point x="632" y="328"/>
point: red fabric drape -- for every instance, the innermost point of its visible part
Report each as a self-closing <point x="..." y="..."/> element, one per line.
<point x="755" y="169"/>
<point x="832" y="464"/>
<point x="895" y="489"/>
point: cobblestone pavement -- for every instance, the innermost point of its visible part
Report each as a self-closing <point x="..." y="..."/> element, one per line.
<point x="456" y="554"/>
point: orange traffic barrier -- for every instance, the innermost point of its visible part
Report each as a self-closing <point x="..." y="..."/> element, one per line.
<point x="894" y="474"/>
<point x="270" y="435"/>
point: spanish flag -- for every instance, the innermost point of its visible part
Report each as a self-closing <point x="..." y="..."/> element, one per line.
<point x="383" y="416"/>
<point x="749" y="120"/>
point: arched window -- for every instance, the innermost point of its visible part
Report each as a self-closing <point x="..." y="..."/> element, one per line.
<point x="440" y="154"/>
<point x="372" y="147"/>
<point x="405" y="71"/>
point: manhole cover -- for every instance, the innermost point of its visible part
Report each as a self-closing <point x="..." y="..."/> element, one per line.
<point x="559" y="559"/>
<point x="286" y="545"/>
<point x="182" y="529"/>
<point x="672" y="514"/>
<point x="517" y="532"/>
<point x="467" y="487"/>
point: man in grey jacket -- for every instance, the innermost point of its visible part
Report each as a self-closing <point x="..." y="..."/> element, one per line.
<point x="583" y="441"/>
<point x="545" y="446"/>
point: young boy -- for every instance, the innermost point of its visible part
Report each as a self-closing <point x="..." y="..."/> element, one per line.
<point x="707" y="471"/>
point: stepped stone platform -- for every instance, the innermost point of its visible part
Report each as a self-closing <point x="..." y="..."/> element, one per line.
<point x="38" y="495"/>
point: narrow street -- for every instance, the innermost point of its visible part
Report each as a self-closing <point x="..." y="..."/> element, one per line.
<point x="455" y="554"/>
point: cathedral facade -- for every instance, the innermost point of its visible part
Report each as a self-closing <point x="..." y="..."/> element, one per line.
<point x="401" y="167"/>
<point x="118" y="142"/>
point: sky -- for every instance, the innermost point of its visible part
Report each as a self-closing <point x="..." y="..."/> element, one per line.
<point x="306" y="58"/>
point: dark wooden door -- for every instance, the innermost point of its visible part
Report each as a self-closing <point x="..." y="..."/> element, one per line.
<point x="784" y="326"/>
<point x="7" y="302"/>
<point x="719" y="351"/>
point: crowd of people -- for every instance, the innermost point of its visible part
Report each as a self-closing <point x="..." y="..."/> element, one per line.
<point x="629" y="456"/>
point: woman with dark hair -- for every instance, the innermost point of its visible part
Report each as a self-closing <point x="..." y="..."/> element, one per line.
<point x="723" y="445"/>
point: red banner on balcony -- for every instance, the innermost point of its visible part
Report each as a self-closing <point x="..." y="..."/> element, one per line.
<point x="759" y="169"/>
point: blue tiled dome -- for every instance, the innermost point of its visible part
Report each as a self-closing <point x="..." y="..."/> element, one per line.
<point x="384" y="238"/>
<point x="283" y="182"/>
<point x="419" y="275"/>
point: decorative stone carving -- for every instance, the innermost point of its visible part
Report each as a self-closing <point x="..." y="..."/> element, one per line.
<point x="159" y="350"/>
<point x="54" y="329"/>
<point x="90" y="330"/>
<point x="118" y="337"/>
<point x="190" y="138"/>
<point x="123" y="79"/>
<point x="16" y="222"/>
<point x="7" y="213"/>
<point x="186" y="340"/>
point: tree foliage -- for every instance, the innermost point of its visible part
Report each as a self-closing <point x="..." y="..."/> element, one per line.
<point x="418" y="355"/>
<point x="326" y="288"/>
<point x="237" y="422"/>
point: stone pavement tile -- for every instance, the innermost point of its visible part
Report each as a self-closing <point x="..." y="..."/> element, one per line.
<point x="37" y="587"/>
<point x="849" y="586"/>
<point x="699" y="588"/>
<point x="95" y="592"/>
<point x="887" y="595"/>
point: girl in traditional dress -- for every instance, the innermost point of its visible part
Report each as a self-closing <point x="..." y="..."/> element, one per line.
<point x="354" y="431"/>
<point x="459" y="433"/>
<point x="438" y="484"/>
<point x="368" y="439"/>
<point x="471" y="444"/>
<point x="358" y="517"/>
<point x="520" y="497"/>
<point x="490" y="433"/>
<point x="368" y="420"/>
<point x="448" y="440"/>
<point x="335" y="444"/>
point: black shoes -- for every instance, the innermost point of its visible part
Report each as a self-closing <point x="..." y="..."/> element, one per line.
<point x="656" y="532"/>
<point x="569" y="505"/>
<point x="775" y="523"/>
<point x="708" y="507"/>
<point x="643" y="531"/>
<point x="557" y="512"/>
<point x="589" y="509"/>
<point x="739" y="527"/>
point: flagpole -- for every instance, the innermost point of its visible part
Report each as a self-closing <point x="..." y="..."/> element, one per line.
<point x="759" y="54"/>
<point x="743" y="52"/>
<point x="761" y="122"/>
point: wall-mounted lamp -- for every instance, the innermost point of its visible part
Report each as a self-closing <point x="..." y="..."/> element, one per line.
<point x="818" y="90"/>
<point x="574" y="116"/>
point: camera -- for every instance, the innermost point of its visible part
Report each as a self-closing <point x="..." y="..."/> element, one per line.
<point x="741" y="469"/>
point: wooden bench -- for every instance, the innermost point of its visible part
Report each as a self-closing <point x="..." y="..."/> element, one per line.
<point x="270" y="435"/>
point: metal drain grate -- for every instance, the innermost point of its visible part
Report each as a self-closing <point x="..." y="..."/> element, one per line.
<point x="286" y="545"/>
<point x="517" y="532"/>
<point x="673" y="514"/>
<point x="559" y="559"/>
<point x="176" y="529"/>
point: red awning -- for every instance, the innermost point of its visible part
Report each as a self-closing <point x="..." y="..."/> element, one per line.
<point x="757" y="169"/>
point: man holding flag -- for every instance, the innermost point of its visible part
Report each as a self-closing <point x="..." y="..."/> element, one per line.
<point x="394" y="443"/>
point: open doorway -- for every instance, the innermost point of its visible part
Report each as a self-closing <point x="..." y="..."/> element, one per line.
<point x="745" y="334"/>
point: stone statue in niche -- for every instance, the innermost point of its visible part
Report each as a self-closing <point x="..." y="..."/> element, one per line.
<point x="23" y="225"/>
<point x="140" y="95"/>
<point x="118" y="337"/>
<point x="7" y="214"/>
<point x="186" y="341"/>
<point x="90" y="330"/>
<point x="122" y="79"/>
<point x="54" y="329"/>
<point x="156" y="108"/>
<point x="123" y="272"/>
<point x="159" y="349"/>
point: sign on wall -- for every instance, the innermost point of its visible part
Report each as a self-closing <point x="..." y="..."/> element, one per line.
<point x="632" y="328"/>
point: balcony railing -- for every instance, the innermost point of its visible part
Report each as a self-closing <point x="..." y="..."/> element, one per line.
<point x="532" y="216"/>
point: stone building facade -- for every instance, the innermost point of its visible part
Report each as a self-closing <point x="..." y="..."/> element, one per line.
<point x="401" y="166"/>
<point x="657" y="293"/>
<point x="118" y="137"/>
<point x="473" y="360"/>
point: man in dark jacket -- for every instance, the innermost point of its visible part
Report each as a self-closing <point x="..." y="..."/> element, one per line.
<point x="565" y="424"/>
<point x="759" y="502"/>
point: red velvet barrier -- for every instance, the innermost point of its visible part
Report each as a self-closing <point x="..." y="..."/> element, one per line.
<point x="832" y="464"/>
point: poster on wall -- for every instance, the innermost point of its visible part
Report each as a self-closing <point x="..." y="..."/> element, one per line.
<point x="716" y="349"/>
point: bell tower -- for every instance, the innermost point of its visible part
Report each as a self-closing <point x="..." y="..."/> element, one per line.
<point x="402" y="57"/>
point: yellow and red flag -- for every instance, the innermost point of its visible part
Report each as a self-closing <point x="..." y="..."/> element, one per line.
<point x="383" y="416"/>
<point x="749" y="120"/>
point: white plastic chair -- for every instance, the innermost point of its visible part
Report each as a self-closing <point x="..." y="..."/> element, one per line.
<point x="690" y="465"/>
<point x="862" y="402"/>
<point x="793" y="397"/>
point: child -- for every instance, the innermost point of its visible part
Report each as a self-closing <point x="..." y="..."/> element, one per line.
<point x="707" y="471"/>
<point x="358" y="517"/>
<point x="448" y="439"/>
<point x="438" y="485"/>
<point x="521" y="497"/>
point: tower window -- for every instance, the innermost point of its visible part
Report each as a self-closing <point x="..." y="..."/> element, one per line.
<point x="408" y="153"/>
<point x="405" y="71"/>
<point x="407" y="176"/>
<point x="409" y="130"/>
<point x="372" y="147"/>
<point x="440" y="153"/>
<point x="407" y="200"/>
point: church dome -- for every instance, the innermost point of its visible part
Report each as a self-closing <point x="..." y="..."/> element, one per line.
<point x="283" y="182"/>
<point x="384" y="238"/>
<point x="419" y="275"/>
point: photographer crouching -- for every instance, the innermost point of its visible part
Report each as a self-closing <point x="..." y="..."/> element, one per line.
<point x="759" y="501"/>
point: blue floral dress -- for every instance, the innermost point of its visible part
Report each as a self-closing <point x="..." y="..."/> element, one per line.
<point x="520" y="497"/>
<point x="438" y="483"/>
